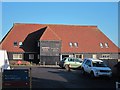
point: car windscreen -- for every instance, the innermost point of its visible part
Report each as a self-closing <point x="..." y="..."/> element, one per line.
<point x="78" y="60"/>
<point x="99" y="64"/>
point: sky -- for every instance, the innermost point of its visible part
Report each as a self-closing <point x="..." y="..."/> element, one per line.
<point x="101" y="14"/>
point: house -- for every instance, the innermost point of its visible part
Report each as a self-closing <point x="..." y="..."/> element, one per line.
<point x="49" y="43"/>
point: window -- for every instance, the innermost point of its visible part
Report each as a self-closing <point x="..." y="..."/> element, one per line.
<point x="38" y="44"/>
<point x="71" y="44"/>
<point x="31" y="56"/>
<point x="105" y="56"/>
<point x="106" y="45"/>
<point x="17" y="56"/>
<point x="76" y="44"/>
<point x="101" y="45"/>
<point x="79" y="56"/>
<point x="20" y="43"/>
<point x="15" y="43"/>
<point x="38" y="56"/>
<point x="88" y="63"/>
<point x="45" y="49"/>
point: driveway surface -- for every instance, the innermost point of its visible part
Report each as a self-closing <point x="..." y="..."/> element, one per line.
<point x="55" y="77"/>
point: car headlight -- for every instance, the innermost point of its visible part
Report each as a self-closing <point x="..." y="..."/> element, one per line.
<point x="96" y="70"/>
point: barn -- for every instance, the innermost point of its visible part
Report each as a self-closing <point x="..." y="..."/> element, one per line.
<point x="49" y="43"/>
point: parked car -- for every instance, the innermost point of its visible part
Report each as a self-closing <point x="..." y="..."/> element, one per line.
<point x="95" y="68"/>
<point x="72" y="62"/>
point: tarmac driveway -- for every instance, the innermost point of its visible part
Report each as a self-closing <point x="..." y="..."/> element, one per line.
<point x="55" y="77"/>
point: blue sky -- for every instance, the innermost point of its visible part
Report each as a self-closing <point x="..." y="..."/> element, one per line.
<point x="102" y="14"/>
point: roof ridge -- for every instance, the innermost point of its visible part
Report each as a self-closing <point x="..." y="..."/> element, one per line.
<point x="54" y="32"/>
<point x="59" y="24"/>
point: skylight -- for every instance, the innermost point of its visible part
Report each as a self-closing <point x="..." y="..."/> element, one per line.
<point x="20" y="43"/>
<point x="15" y="43"/>
<point x="71" y="44"/>
<point x="76" y="44"/>
<point x="101" y="45"/>
<point x="106" y="45"/>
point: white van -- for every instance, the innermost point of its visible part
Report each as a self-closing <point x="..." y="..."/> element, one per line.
<point x="4" y="63"/>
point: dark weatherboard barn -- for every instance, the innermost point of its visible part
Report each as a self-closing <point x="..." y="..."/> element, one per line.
<point x="49" y="43"/>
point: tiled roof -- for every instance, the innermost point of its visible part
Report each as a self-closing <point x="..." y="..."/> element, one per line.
<point x="88" y="38"/>
<point x="19" y="33"/>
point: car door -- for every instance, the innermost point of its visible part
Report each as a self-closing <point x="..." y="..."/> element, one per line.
<point x="77" y="63"/>
<point x="87" y="66"/>
<point x="71" y="62"/>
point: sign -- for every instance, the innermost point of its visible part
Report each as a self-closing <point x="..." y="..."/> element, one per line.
<point x="16" y="78"/>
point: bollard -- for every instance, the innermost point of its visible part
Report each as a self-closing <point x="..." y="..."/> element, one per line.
<point x="44" y="63"/>
<point x="56" y="63"/>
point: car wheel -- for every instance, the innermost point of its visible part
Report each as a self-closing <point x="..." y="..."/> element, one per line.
<point x="92" y="74"/>
<point x="82" y="71"/>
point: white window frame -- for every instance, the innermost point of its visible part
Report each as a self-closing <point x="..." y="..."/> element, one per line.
<point x="31" y="56"/>
<point x="105" y="56"/>
<point x="17" y="56"/>
<point x="79" y="55"/>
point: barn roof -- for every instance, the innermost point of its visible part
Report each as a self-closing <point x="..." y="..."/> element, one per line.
<point x="75" y="38"/>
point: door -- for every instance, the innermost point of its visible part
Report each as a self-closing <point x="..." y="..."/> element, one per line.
<point x="87" y="66"/>
<point x="63" y="56"/>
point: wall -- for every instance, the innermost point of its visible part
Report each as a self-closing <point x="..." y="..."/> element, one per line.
<point x="49" y="60"/>
<point x="50" y="51"/>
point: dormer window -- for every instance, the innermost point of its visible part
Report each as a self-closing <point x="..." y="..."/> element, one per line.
<point x="15" y="43"/>
<point x="101" y="45"/>
<point x="71" y="44"/>
<point x="106" y="45"/>
<point x="76" y="44"/>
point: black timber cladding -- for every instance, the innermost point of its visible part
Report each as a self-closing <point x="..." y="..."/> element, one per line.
<point x="50" y="48"/>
